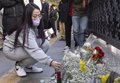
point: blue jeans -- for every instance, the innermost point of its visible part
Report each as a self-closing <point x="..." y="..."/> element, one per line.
<point x="79" y="26"/>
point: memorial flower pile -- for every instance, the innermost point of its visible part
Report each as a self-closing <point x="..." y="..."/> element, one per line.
<point x="80" y="68"/>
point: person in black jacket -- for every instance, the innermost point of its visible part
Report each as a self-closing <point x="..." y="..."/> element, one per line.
<point x="68" y="23"/>
<point x="12" y="14"/>
<point x="45" y="13"/>
<point x="62" y="11"/>
<point x="53" y="18"/>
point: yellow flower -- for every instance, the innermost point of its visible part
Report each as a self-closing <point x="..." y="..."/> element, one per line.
<point x="83" y="66"/>
<point x="104" y="78"/>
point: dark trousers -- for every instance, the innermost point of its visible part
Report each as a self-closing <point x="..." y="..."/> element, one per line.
<point x="68" y="25"/>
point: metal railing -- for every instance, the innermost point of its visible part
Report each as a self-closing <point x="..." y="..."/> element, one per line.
<point x="104" y="20"/>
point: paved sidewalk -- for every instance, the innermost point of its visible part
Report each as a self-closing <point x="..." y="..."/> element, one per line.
<point x="5" y="64"/>
<point x="6" y="70"/>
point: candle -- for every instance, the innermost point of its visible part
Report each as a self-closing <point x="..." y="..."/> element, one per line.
<point x="58" y="76"/>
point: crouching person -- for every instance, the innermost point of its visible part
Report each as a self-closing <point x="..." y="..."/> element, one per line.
<point x="27" y="44"/>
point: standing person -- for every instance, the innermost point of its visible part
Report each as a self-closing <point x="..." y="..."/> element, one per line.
<point x="61" y="8"/>
<point x="27" y="45"/>
<point x="79" y="21"/>
<point x="12" y="14"/>
<point x="68" y="23"/>
<point x="45" y="13"/>
<point x="53" y="18"/>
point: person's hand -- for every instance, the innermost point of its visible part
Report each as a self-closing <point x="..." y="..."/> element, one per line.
<point x="56" y="64"/>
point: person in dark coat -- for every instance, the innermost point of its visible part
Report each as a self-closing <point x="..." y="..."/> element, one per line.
<point x="61" y="8"/>
<point x="12" y="14"/>
<point x="62" y="11"/>
<point x="53" y="18"/>
<point x="68" y="23"/>
<point x="45" y="13"/>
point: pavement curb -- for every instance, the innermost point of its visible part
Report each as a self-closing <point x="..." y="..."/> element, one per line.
<point x="9" y="77"/>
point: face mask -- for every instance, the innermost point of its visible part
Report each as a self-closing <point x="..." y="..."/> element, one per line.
<point x="36" y="22"/>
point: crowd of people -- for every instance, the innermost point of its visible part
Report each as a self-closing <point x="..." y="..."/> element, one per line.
<point x="24" y="25"/>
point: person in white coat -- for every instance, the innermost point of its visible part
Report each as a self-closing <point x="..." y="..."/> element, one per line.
<point x="27" y="45"/>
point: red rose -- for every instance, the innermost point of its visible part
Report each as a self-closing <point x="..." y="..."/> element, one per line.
<point x="100" y="55"/>
<point x="98" y="49"/>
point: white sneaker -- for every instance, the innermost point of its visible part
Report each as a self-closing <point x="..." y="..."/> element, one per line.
<point x="20" y="71"/>
<point x="33" y="69"/>
<point x="66" y="48"/>
<point x="77" y="50"/>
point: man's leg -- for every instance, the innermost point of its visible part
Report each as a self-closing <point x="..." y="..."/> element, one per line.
<point x="63" y="29"/>
<point x="83" y="26"/>
<point x="75" y="21"/>
<point x="68" y="25"/>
